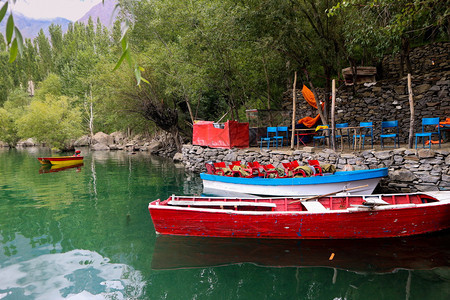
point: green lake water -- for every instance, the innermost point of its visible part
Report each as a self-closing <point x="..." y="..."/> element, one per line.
<point x="86" y="233"/>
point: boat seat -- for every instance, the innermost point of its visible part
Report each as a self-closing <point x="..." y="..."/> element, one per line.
<point x="221" y="203"/>
<point x="374" y="201"/>
<point x="356" y="207"/>
<point x="314" y="206"/>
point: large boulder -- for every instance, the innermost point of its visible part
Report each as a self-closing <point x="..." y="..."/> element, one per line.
<point x="178" y="157"/>
<point x="82" y="141"/>
<point x="154" y="146"/>
<point x="118" y="137"/>
<point x="100" y="147"/>
<point x="26" y="143"/>
<point x="102" y="138"/>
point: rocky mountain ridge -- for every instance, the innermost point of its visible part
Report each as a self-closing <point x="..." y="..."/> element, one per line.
<point x="30" y="27"/>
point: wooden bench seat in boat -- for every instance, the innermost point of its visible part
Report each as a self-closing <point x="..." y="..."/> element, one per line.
<point x="314" y="206"/>
<point x="374" y="200"/>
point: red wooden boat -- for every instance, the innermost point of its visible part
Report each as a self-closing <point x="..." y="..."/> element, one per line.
<point x="322" y="217"/>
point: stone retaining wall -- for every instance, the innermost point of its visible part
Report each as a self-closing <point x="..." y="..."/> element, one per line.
<point x="409" y="170"/>
<point x="387" y="100"/>
<point x="424" y="59"/>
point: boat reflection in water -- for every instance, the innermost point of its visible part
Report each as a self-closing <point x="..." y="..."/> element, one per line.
<point x="48" y="168"/>
<point x="371" y="255"/>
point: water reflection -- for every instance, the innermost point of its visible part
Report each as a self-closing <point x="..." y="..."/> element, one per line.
<point x="77" y="274"/>
<point x="45" y="220"/>
<point x="371" y="255"/>
<point x="57" y="168"/>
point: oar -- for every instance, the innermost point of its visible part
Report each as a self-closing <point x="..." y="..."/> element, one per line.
<point x="329" y="194"/>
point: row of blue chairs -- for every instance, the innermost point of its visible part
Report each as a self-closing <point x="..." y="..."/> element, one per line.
<point x="389" y="130"/>
<point x="366" y="132"/>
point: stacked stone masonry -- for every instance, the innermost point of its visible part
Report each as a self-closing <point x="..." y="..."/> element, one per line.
<point x="409" y="170"/>
<point x="388" y="99"/>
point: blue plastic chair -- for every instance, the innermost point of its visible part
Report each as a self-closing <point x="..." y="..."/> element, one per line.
<point x="282" y="132"/>
<point x="368" y="128"/>
<point x="389" y="129"/>
<point x="429" y="122"/>
<point x="271" y="133"/>
<point x="338" y="136"/>
<point x="321" y="137"/>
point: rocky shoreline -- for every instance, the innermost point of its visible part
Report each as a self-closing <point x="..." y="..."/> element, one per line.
<point x="410" y="170"/>
<point x="161" y="144"/>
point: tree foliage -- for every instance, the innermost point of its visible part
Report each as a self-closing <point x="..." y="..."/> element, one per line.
<point x="8" y="131"/>
<point x="199" y="59"/>
<point x="377" y="27"/>
<point x="53" y="121"/>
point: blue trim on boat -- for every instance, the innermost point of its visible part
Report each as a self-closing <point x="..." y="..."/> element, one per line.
<point x="341" y="176"/>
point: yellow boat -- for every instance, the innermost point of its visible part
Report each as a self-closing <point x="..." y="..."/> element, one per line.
<point x="61" y="160"/>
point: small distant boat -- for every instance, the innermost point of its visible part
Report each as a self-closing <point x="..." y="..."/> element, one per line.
<point x="61" y="160"/>
<point x="319" y="217"/>
<point x="295" y="186"/>
<point x="48" y="168"/>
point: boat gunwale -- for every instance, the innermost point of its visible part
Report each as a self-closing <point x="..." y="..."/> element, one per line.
<point x="60" y="158"/>
<point x="340" y="176"/>
<point x="350" y="210"/>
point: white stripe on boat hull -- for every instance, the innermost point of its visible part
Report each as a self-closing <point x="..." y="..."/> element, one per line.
<point x="217" y="187"/>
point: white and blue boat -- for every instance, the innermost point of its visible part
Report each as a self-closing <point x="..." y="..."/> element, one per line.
<point x="365" y="180"/>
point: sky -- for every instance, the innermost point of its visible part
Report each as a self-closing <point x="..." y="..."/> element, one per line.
<point x="49" y="9"/>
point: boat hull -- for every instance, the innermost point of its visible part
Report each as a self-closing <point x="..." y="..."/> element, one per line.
<point x="353" y="223"/>
<point x="307" y="186"/>
<point x="61" y="160"/>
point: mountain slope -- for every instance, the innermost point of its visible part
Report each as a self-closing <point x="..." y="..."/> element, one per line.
<point x="31" y="27"/>
<point x="103" y="12"/>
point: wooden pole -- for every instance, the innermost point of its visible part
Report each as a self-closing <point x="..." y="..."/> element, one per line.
<point x="333" y="107"/>
<point x="268" y="90"/>
<point x="319" y="108"/>
<point x="294" y="100"/>
<point x="411" y="109"/>
<point x="230" y="110"/>
<point x="329" y="194"/>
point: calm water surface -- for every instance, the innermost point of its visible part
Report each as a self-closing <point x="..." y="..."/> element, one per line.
<point x="85" y="233"/>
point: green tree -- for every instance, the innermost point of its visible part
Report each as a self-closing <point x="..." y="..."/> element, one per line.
<point x="17" y="101"/>
<point x="53" y="121"/>
<point x="374" y="27"/>
<point x="30" y="63"/>
<point x="45" y="53"/>
<point x="201" y="57"/>
<point x="51" y="85"/>
<point x="12" y="110"/>
<point x="2" y="43"/>
<point x="57" y="46"/>
<point x="8" y="130"/>
<point x="6" y="82"/>
<point x="102" y="40"/>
